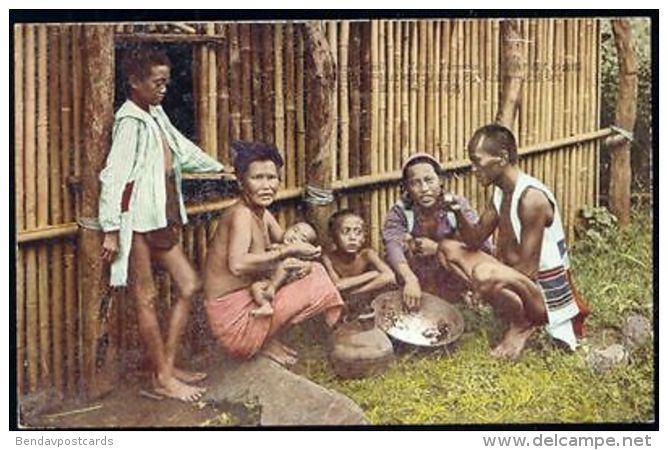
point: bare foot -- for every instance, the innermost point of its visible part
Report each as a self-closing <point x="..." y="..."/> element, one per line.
<point x="173" y="388"/>
<point x="188" y="376"/>
<point x="264" y="310"/>
<point x="279" y="353"/>
<point x="513" y="341"/>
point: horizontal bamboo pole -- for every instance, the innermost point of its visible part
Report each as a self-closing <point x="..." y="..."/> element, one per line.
<point x="168" y="38"/>
<point x="70" y="229"/>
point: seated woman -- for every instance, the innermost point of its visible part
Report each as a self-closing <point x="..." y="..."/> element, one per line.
<point x="415" y="225"/>
<point x="238" y="256"/>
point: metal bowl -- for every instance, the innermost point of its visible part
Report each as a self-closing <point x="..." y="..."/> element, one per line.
<point x="436" y="323"/>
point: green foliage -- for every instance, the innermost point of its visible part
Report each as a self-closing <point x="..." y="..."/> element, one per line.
<point x="596" y="224"/>
<point x="547" y="385"/>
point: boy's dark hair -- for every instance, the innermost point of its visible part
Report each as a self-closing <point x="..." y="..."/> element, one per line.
<point x="334" y="219"/>
<point x="244" y="153"/>
<point x="138" y="60"/>
<point x="501" y="136"/>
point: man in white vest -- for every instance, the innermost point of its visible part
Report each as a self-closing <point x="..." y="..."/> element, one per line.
<point x="527" y="281"/>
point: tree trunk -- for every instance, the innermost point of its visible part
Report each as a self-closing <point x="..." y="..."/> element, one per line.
<point x="320" y="72"/>
<point x="625" y="118"/>
<point x="512" y="69"/>
<point x="98" y="99"/>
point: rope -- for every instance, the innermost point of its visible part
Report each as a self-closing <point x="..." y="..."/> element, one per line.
<point x="89" y="223"/>
<point x="625" y="133"/>
<point x="318" y="196"/>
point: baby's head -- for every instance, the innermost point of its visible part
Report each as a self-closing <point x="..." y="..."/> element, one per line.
<point x="346" y="228"/>
<point x="301" y="232"/>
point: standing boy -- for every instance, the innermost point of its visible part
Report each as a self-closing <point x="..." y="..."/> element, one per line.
<point x="141" y="212"/>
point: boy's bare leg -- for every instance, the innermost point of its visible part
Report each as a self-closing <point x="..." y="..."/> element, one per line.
<point x="264" y="309"/>
<point x="177" y="265"/>
<point x="144" y="291"/>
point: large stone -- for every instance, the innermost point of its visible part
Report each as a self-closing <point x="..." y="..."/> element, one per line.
<point x="637" y="330"/>
<point x="605" y="359"/>
<point x="282" y="397"/>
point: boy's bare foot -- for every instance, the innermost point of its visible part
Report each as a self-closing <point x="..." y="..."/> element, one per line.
<point x="280" y="353"/>
<point x="173" y="388"/>
<point x="264" y="310"/>
<point x="188" y="376"/>
<point x="513" y="342"/>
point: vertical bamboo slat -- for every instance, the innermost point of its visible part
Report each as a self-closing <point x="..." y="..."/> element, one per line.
<point x="202" y="93"/>
<point x="396" y="88"/>
<point x="460" y="111"/>
<point x="375" y="86"/>
<point x="246" y="76"/>
<point x="223" y="93"/>
<point x="256" y="82"/>
<point x="279" y="123"/>
<point x="43" y="203"/>
<point x="428" y="77"/>
<point x="422" y="29"/>
<point x="444" y="90"/>
<point x="77" y="107"/>
<point x="406" y="75"/>
<point x="56" y="216"/>
<point x="212" y="97"/>
<point x="301" y="115"/>
<point x="344" y="120"/>
<point x="268" y="82"/>
<point x="290" y="122"/>
<point x="332" y="39"/>
<point x="381" y="113"/>
<point x="390" y="84"/>
<point x="19" y="201"/>
<point x="414" y="88"/>
<point x="235" y="82"/>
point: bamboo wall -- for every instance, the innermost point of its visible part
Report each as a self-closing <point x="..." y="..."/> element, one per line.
<point x="402" y="87"/>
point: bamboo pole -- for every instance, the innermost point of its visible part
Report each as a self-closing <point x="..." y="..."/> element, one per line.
<point x="19" y="201"/>
<point x="355" y="100"/>
<point x="474" y="75"/>
<point x="390" y="89"/>
<point x="548" y="83"/>
<point x="569" y="89"/>
<point x="223" y="91"/>
<point x="235" y="82"/>
<point x="593" y="119"/>
<point x="422" y="30"/>
<point x="460" y="111"/>
<point x="268" y="82"/>
<point x="212" y="97"/>
<point x="344" y="101"/>
<point x="559" y="107"/>
<point x="472" y="96"/>
<point x="56" y="217"/>
<point x="436" y="90"/>
<point x="257" y="95"/>
<point x="451" y="77"/>
<point x="68" y="208"/>
<point x="202" y="93"/>
<point x="405" y="95"/>
<point x="489" y="74"/>
<point x="279" y="113"/>
<point x="580" y="113"/>
<point x="290" y="122"/>
<point x="375" y="87"/>
<point x="379" y="69"/>
<point x="496" y="74"/>
<point x="414" y="88"/>
<point x="396" y="87"/>
<point x="332" y="38"/>
<point x="428" y="81"/>
<point x="444" y="90"/>
<point x="301" y="115"/>
<point x="43" y="203"/>
<point x="246" y="76"/>
<point x="597" y="102"/>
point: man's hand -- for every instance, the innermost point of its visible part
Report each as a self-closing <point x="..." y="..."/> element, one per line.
<point x="110" y="246"/>
<point x="424" y="246"/>
<point x="412" y="293"/>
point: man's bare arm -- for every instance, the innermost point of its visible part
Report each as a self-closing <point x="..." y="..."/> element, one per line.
<point x="535" y="212"/>
<point x="475" y="234"/>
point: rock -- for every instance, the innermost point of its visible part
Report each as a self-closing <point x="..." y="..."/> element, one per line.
<point x="282" y="397"/>
<point x="637" y="330"/>
<point x="605" y="359"/>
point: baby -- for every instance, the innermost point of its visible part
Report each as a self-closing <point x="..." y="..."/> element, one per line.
<point x="357" y="271"/>
<point x="263" y="290"/>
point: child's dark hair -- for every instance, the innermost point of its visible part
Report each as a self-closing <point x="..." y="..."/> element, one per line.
<point x="334" y="219"/>
<point x="245" y="153"/>
<point x="501" y="136"/>
<point x="138" y="60"/>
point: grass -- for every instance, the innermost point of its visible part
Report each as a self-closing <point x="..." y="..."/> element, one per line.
<point x="466" y="385"/>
